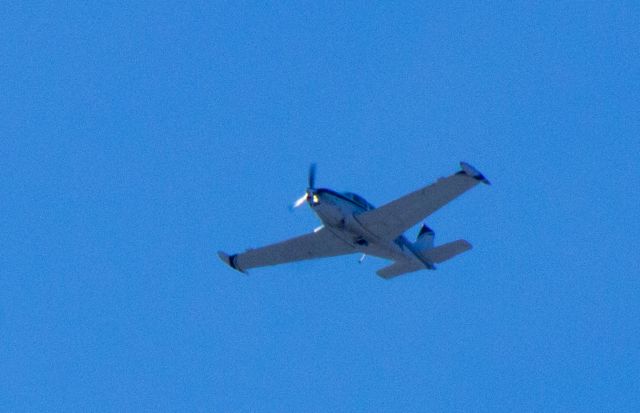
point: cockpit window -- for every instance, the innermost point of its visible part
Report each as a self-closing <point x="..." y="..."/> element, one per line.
<point x="359" y="200"/>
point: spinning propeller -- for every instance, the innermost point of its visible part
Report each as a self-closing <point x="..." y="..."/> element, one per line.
<point x="310" y="189"/>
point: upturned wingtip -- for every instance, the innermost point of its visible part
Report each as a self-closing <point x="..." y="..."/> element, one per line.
<point x="230" y="260"/>
<point x="473" y="172"/>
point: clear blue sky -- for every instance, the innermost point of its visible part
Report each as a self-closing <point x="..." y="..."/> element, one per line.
<point x="137" y="140"/>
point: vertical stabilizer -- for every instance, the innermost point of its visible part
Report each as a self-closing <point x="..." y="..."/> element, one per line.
<point x="425" y="238"/>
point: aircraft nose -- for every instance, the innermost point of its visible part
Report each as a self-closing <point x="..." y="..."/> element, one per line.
<point x="314" y="198"/>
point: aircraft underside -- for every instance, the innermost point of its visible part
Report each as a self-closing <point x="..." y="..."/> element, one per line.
<point x="352" y="225"/>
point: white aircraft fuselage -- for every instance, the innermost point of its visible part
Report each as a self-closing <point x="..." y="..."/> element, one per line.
<point x="339" y="214"/>
<point x="351" y="224"/>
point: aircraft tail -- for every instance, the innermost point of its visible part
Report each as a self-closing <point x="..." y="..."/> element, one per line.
<point x="425" y="238"/>
<point x="399" y="268"/>
<point x="446" y="251"/>
<point x="435" y="255"/>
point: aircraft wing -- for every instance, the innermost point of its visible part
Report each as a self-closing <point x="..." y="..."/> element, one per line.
<point x="391" y="220"/>
<point x="318" y="244"/>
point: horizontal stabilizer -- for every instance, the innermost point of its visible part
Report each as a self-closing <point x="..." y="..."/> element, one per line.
<point x="446" y="251"/>
<point x="399" y="268"/>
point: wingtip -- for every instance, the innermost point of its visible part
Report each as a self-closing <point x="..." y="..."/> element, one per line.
<point x="230" y="260"/>
<point x="469" y="170"/>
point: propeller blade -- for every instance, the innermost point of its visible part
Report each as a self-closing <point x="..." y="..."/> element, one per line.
<point x="312" y="176"/>
<point x="307" y="195"/>
<point x="299" y="201"/>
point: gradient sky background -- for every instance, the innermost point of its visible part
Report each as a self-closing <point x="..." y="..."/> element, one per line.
<point x="137" y="140"/>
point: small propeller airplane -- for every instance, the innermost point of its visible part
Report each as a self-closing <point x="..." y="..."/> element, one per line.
<point x="350" y="225"/>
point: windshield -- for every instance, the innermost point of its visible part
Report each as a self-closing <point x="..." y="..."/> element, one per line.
<point x="358" y="200"/>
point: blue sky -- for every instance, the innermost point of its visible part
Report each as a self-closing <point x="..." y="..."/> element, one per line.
<point x="138" y="139"/>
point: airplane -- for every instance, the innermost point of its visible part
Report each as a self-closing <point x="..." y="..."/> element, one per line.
<point x="350" y="225"/>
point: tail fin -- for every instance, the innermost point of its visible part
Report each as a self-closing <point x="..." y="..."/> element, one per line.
<point x="425" y="238"/>
<point x="446" y="251"/>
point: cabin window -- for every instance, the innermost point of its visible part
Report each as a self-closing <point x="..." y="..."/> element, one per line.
<point x="359" y="200"/>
